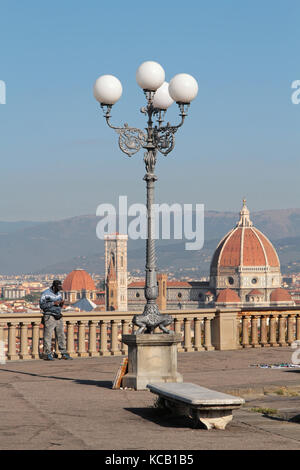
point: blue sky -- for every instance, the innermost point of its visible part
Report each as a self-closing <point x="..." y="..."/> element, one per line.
<point x="59" y="159"/>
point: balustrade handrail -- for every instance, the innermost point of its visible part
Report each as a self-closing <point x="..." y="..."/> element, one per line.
<point x="104" y="315"/>
<point x="269" y="311"/>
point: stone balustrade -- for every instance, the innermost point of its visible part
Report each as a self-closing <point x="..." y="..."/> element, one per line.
<point x="265" y="328"/>
<point x="95" y="334"/>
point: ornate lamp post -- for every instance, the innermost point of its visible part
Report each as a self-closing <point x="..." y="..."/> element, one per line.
<point x="160" y="95"/>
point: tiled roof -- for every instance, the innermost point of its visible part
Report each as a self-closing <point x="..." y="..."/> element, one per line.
<point x="228" y="296"/>
<point x="280" y="295"/>
<point x="137" y="284"/>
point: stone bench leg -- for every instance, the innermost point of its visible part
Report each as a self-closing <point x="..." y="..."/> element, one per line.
<point x="205" y="419"/>
<point x="217" y="419"/>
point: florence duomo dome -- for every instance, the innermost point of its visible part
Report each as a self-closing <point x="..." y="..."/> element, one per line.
<point x="246" y="261"/>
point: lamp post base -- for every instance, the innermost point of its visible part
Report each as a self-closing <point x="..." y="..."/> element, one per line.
<point x="151" y="359"/>
<point x="150" y="319"/>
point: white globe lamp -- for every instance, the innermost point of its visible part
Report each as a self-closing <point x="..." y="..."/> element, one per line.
<point x="150" y="75"/>
<point x="183" y="88"/>
<point x="162" y="99"/>
<point x="107" y="89"/>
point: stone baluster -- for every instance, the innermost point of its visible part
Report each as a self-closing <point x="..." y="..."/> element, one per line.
<point x="70" y="338"/>
<point x="290" y="329"/>
<point x="82" y="352"/>
<point x="207" y="334"/>
<point x="197" y="335"/>
<point x="12" y="351"/>
<point x="298" y="327"/>
<point x="103" y="338"/>
<point x="239" y="333"/>
<point x="92" y="338"/>
<point x="24" y="354"/>
<point x="114" y="351"/>
<point x="254" y="332"/>
<point x="273" y="332"/>
<point x="125" y="331"/>
<point x="245" y="332"/>
<point x="282" y="327"/>
<point x="2" y="343"/>
<point x="2" y="335"/>
<point x="177" y="329"/>
<point x="187" y="335"/>
<point x="35" y="351"/>
<point x="264" y="331"/>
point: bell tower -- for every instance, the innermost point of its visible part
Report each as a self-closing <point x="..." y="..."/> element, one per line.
<point x="116" y="253"/>
<point x="111" y="287"/>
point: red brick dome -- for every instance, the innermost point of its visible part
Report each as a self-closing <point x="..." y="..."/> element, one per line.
<point x="245" y="246"/>
<point x="78" y="279"/>
<point x="280" y="295"/>
<point x="228" y="296"/>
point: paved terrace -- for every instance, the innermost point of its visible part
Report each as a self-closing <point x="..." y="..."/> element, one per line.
<point x="70" y="405"/>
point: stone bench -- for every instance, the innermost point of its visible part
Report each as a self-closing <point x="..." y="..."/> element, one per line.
<point x="207" y="408"/>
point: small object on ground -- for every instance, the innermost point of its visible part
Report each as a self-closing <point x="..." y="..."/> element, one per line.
<point x="48" y="357"/>
<point x="276" y="366"/>
<point x="120" y="374"/>
<point x="264" y="411"/>
<point x="66" y="356"/>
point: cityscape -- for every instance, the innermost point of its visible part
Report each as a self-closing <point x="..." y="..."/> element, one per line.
<point x="149" y="229"/>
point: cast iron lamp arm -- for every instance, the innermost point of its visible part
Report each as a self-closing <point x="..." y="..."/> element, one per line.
<point x="131" y="139"/>
<point x="164" y="135"/>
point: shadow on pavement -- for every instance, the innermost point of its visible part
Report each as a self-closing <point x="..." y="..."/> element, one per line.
<point x="162" y="417"/>
<point x="97" y="383"/>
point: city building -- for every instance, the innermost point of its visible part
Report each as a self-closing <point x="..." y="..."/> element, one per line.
<point x="13" y="293"/>
<point x="244" y="271"/>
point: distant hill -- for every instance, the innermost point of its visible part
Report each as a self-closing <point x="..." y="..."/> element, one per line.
<point x="9" y="227"/>
<point x="60" y="246"/>
<point x="174" y="257"/>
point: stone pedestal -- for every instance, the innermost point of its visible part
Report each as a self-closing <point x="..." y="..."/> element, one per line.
<point x="224" y="330"/>
<point x="152" y="358"/>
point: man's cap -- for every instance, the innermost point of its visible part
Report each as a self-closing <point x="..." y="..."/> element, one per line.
<point x="56" y="282"/>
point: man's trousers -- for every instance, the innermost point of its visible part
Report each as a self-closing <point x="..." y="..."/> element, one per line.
<point x="50" y="325"/>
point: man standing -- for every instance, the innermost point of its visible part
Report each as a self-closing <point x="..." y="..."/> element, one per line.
<point x="51" y="303"/>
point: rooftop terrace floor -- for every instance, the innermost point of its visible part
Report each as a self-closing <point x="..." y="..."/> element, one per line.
<point x="70" y="405"/>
